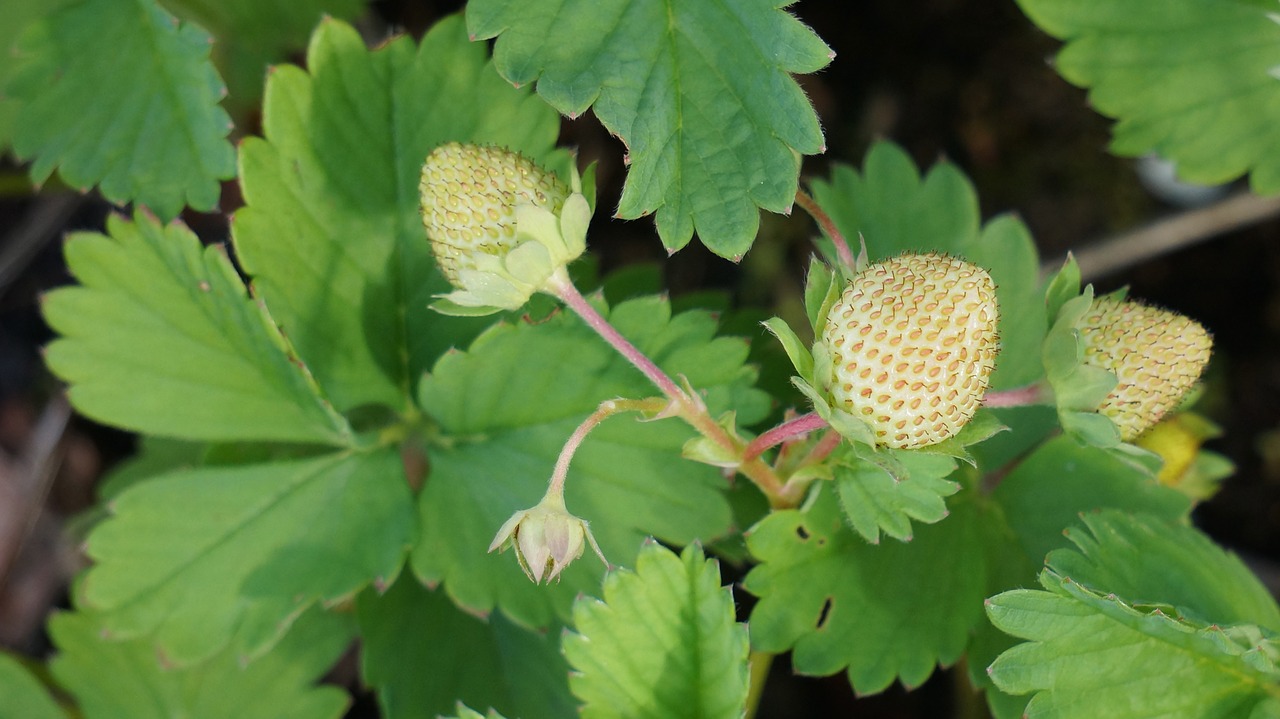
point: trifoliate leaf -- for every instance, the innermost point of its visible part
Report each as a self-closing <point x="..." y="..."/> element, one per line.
<point x="24" y="696"/>
<point x="331" y="232"/>
<point x="1121" y="634"/>
<point x="198" y="556"/>
<point x="121" y="95"/>
<point x="111" y="679"/>
<point x="251" y="34"/>
<point x="422" y="655"/>
<point x="1192" y="81"/>
<point x="886" y="611"/>
<point x="875" y="501"/>
<point x="1048" y="491"/>
<point x="700" y="92"/>
<point x="161" y="338"/>
<point x="896" y="210"/>
<point x="662" y="643"/>
<point x="506" y="407"/>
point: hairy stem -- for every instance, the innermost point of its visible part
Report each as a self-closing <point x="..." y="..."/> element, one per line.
<point x="685" y="405"/>
<point x="607" y="409"/>
<point x="790" y="429"/>
<point x="808" y="204"/>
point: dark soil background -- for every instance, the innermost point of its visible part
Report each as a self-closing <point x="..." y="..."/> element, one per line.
<point x="971" y="82"/>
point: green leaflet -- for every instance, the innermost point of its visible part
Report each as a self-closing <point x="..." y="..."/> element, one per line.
<point x="663" y="642"/>
<point x="897" y="210"/>
<point x="138" y="685"/>
<point x="159" y="139"/>
<point x="252" y="34"/>
<point x="24" y="696"/>
<point x="875" y="501"/>
<point x="331" y="232"/>
<point x="161" y="338"/>
<point x="1062" y="479"/>
<point x="701" y="93"/>
<point x="1193" y="81"/>
<point x="502" y="437"/>
<point x="889" y="611"/>
<point x="1128" y="635"/>
<point x="197" y="557"/>
<point x="422" y="655"/>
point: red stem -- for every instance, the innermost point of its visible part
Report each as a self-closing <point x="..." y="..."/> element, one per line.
<point x="1017" y="397"/>
<point x="790" y="429"/>
<point x="808" y="204"/>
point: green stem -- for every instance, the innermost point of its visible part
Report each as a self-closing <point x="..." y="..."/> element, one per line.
<point x="758" y="664"/>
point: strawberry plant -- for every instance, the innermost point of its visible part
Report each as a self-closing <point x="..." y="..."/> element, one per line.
<point x="396" y="414"/>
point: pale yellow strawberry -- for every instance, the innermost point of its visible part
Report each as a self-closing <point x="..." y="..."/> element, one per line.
<point x="912" y="342"/>
<point x="469" y="196"/>
<point x="1156" y="355"/>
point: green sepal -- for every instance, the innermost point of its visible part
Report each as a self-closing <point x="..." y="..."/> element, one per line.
<point x="821" y="290"/>
<point x="701" y="449"/>
<point x="846" y="425"/>
<point x="799" y="355"/>
<point x="1063" y="286"/>
<point x="982" y="427"/>
<point x="1090" y="428"/>
<point x="448" y="307"/>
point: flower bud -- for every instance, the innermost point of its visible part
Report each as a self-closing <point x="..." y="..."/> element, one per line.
<point x="546" y="538"/>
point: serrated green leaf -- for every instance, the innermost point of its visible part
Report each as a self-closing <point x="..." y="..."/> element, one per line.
<point x="1148" y="561"/>
<point x="19" y="15"/>
<point x="886" y="611"/>
<point x="24" y="696"/>
<point x="510" y="402"/>
<point x="1005" y="249"/>
<point x="1137" y="637"/>
<point x="332" y="233"/>
<point x="159" y="139"/>
<point x="662" y="643"/>
<point x="1048" y="491"/>
<point x="161" y="338"/>
<point x="113" y="679"/>
<point x="251" y="34"/>
<point x="898" y="211"/>
<point x="422" y="655"/>
<point x="700" y="92"/>
<point x="1193" y="81"/>
<point x="198" y="556"/>
<point x="874" y="501"/>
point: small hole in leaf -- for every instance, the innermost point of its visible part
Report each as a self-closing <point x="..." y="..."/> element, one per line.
<point x="802" y="533"/>
<point x="825" y="613"/>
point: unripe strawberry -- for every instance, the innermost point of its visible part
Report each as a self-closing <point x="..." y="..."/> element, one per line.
<point x="497" y="223"/>
<point x="911" y="343"/>
<point x="1156" y="355"/>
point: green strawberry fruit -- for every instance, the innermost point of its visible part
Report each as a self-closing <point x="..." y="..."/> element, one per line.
<point x="1156" y="355"/>
<point x="911" y="345"/>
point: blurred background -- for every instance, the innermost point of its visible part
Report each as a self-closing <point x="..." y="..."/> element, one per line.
<point x="970" y="82"/>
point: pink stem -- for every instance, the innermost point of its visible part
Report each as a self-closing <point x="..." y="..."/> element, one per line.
<point x="829" y="227"/>
<point x="1017" y="397"/>
<point x="569" y="294"/>
<point x="606" y="409"/>
<point x="790" y="429"/>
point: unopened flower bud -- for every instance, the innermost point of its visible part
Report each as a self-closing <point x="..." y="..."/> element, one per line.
<point x="546" y="538"/>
